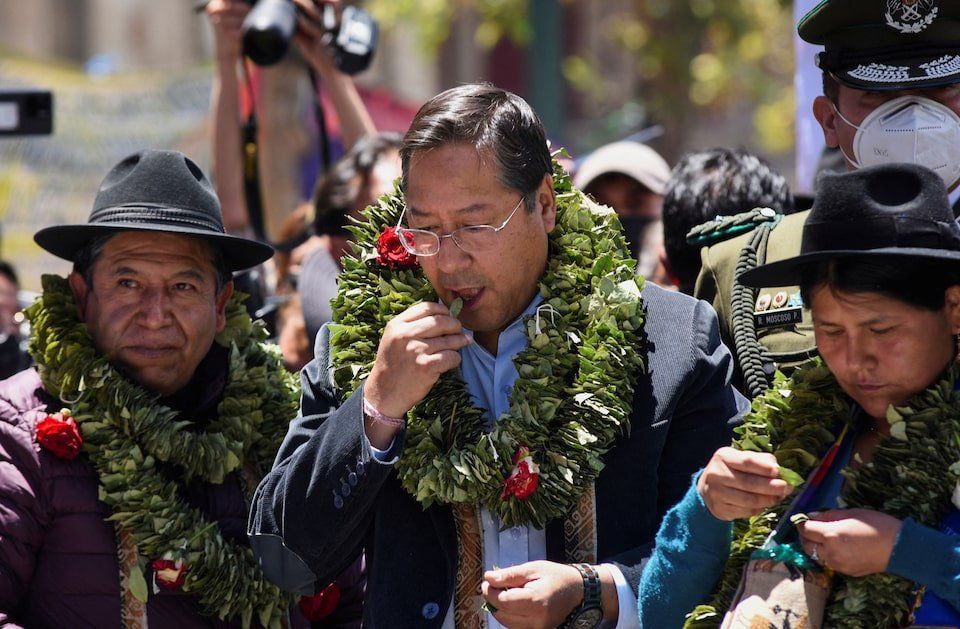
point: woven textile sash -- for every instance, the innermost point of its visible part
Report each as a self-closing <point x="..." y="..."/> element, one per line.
<point x="133" y="612"/>
<point x="579" y="543"/>
<point x="467" y="597"/>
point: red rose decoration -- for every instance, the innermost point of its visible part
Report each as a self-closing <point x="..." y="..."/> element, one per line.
<point x="320" y="605"/>
<point x="169" y="572"/>
<point x="59" y="434"/>
<point x="391" y="254"/>
<point x="524" y="478"/>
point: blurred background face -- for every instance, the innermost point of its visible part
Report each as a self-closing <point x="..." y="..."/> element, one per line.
<point x="626" y="195"/>
<point x="881" y="350"/>
<point x="9" y="306"/>
<point x="452" y="187"/>
<point x="153" y="307"/>
<point x="380" y="180"/>
<point x="638" y="208"/>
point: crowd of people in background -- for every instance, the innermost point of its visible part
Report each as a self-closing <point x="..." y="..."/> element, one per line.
<point x="490" y="390"/>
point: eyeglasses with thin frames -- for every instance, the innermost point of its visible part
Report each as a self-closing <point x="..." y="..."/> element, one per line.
<point x="471" y="239"/>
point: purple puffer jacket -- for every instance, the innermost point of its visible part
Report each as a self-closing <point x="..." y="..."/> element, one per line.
<point x="58" y="557"/>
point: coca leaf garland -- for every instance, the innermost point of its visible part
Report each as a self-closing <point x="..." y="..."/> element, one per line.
<point x="912" y="474"/>
<point x="576" y="378"/>
<point x="126" y="433"/>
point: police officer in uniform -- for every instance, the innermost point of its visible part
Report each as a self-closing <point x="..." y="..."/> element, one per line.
<point x="891" y="81"/>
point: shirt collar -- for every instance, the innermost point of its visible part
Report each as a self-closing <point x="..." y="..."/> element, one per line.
<point x="514" y="336"/>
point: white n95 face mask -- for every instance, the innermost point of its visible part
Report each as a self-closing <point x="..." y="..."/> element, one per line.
<point x="909" y="129"/>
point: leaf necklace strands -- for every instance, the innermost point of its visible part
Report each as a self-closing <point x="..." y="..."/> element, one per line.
<point x="574" y="392"/>
<point x="126" y="433"/>
<point x="796" y="420"/>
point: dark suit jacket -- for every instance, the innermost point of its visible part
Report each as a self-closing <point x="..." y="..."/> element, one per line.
<point x="328" y="498"/>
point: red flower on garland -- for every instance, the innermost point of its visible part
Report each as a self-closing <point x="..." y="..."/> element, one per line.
<point x="169" y="571"/>
<point x="321" y="604"/>
<point x="59" y="434"/>
<point x="524" y="478"/>
<point x="391" y="254"/>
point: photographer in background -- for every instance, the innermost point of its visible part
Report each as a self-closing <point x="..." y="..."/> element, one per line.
<point x="226" y="17"/>
<point x="338" y="604"/>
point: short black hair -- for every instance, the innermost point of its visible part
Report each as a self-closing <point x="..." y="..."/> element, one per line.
<point x="918" y="282"/>
<point x="335" y="195"/>
<point x="7" y="270"/>
<point x="831" y="87"/>
<point x="498" y="123"/>
<point x="87" y="255"/>
<point x="715" y="182"/>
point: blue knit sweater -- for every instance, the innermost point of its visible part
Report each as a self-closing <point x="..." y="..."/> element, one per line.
<point x="692" y="546"/>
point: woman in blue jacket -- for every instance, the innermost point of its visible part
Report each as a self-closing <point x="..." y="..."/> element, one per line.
<point x="875" y="432"/>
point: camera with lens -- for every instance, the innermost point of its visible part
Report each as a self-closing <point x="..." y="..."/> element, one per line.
<point x="26" y="112"/>
<point x="271" y="24"/>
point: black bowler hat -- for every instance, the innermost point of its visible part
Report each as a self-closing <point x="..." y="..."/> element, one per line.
<point x="887" y="210"/>
<point x="886" y="44"/>
<point x="157" y="191"/>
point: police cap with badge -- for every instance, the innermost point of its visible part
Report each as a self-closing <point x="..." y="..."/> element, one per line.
<point x="895" y="45"/>
<point x="886" y="44"/>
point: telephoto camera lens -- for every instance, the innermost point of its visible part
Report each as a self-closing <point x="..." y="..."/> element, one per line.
<point x="268" y="29"/>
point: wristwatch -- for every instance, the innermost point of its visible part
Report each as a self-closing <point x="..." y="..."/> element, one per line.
<point x="590" y="613"/>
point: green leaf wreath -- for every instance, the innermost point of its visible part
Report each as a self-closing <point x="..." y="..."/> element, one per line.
<point x="912" y="474"/>
<point x="128" y="435"/>
<point x="576" y="378"/>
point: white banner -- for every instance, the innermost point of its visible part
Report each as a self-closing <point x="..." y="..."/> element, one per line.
<point x="809" y="85"/>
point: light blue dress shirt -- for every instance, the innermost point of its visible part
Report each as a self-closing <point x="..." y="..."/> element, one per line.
<point x="489" y="380"/>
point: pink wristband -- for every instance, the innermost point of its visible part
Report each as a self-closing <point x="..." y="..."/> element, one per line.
<point x="379" y="418"/>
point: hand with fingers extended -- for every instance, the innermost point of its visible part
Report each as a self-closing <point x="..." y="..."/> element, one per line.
<point x="417" y="346"/>
<point x="854" y="542"/>
<point x="533" y="595"/>
<point x="226" y="17"/>
<point x="738" y="484"/>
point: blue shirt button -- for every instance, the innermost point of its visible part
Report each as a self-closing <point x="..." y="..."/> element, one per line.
<point x="345" y="490"/>
<point x="430" y="610"/>
<point x="337" y="501"/>
<point x="361" y="468"/>
<point x="352" y="479"/>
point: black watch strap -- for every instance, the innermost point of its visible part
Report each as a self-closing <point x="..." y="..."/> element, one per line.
<point x="591" y="597"/>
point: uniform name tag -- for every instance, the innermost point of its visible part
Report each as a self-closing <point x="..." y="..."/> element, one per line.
<point x="777" y="318"/>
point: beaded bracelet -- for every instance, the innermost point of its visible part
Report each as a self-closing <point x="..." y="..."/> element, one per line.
<point x="379" y="418"/>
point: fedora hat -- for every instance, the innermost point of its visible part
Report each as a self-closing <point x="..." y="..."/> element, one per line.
<point x="887" y="210"/>
<point x="156" y="191"/>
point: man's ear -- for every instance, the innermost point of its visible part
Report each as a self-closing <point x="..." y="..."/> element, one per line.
<point x="826" y="114"/>
<point x="548" y="203"/>
<point x="80" y="290"/>
<point x="222" y="298"/>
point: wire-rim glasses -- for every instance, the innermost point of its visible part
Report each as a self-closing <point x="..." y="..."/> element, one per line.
<point x="471" y="239"/>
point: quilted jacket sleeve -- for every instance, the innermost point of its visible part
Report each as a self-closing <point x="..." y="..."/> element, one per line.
<point x="21" y="511"/>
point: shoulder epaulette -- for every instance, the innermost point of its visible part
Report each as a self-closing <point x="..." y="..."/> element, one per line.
<point x="725" y="227"/>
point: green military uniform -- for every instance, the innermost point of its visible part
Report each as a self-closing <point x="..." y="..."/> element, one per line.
<point x="760" y="343"/>
<point x="875" y="45"/>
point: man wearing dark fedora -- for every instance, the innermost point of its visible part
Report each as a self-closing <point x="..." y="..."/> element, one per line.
<point x="891" y="93"/>
<point x="127" y="454"/>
